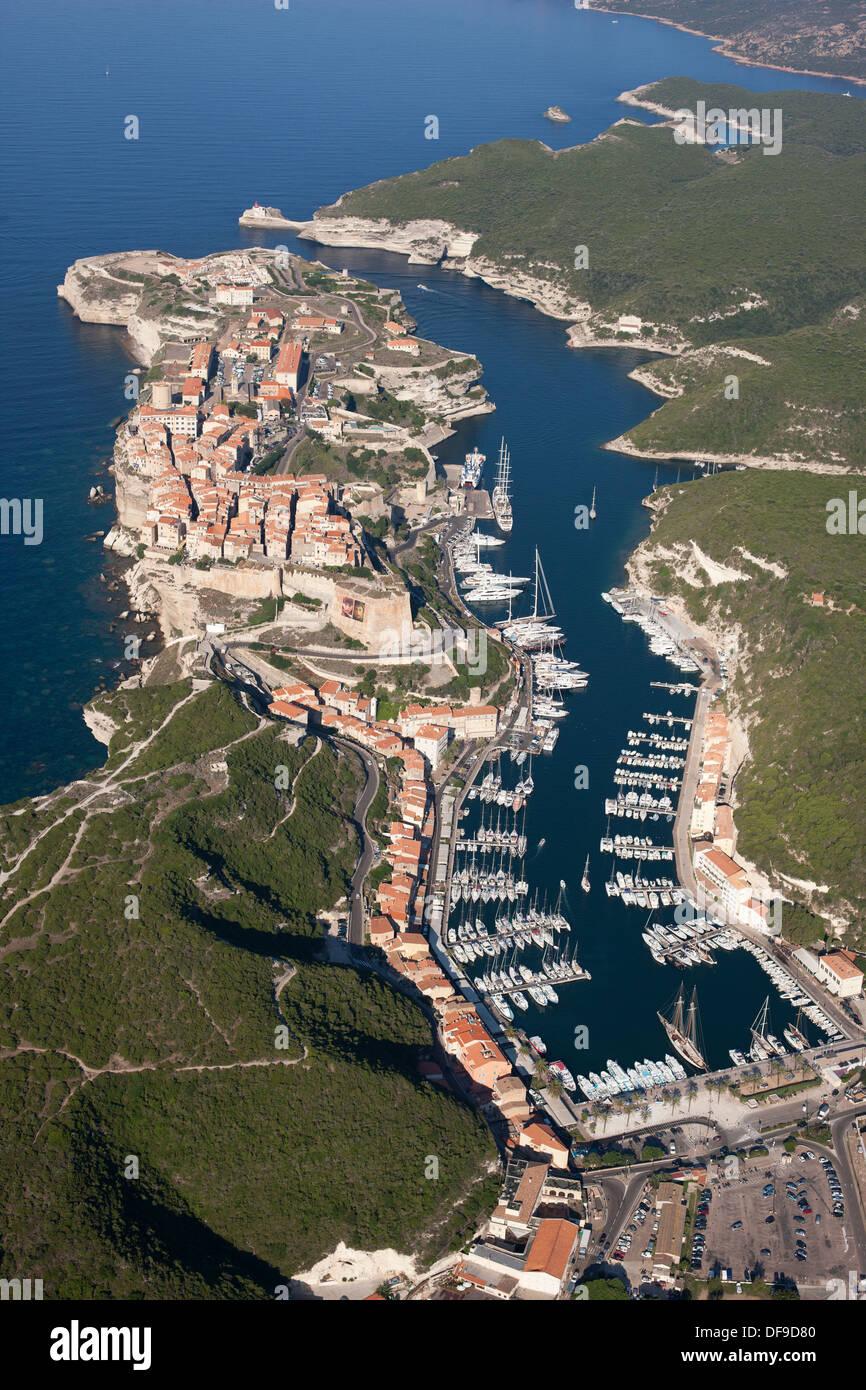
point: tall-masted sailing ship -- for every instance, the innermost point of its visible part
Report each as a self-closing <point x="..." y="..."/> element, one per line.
<point x="681" y="1027"/>
<point x="501" y="496"/>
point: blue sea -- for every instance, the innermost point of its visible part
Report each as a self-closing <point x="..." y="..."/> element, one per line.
<point x="238" y="101"/>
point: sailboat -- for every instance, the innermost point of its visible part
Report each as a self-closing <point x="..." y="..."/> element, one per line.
<point x="535" y="630"/>
<point x="592" y="512"/>
<point x="501" y="496"/>
<point x="682" y="1030"/>
<point x="763" y="1039"/>
<point x="584" y="882"/>
<point x="795" y="1036"/>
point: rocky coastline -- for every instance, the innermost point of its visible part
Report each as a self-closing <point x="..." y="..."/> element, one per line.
<point x="726" y="46"/>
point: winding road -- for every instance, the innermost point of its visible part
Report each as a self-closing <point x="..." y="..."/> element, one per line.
<point x="362" y="806"/>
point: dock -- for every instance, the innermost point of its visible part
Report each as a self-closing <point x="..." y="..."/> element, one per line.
<point x="669" y="719"/>
<point x="683" y="688"/>
<point x="651" y="853"/>
<point x="619" y="806"/>
<point x="576" y="973"/>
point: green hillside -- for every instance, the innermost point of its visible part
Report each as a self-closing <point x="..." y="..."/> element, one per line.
<point x="801" y="681"/>
<point x="158" y="926"/>
<point x="687" y="239"/>
<point x="807" y="35"/>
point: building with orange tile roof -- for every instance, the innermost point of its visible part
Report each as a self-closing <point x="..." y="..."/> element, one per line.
<point x="542" y="1139"/>
<point x="548" y="1258"/>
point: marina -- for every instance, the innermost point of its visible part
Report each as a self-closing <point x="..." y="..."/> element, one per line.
<point x="515" y="943"/>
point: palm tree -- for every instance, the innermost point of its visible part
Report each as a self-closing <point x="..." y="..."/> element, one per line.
<point x="692" y="1091"/>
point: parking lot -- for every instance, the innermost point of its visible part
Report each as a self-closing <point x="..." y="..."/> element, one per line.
<point x="773" y="1218"/>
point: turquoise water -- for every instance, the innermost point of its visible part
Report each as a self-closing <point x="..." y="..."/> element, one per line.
<point x="238" y="102"/>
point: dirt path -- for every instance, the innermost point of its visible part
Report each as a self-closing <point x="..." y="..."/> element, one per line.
<point x="109" y="782"/>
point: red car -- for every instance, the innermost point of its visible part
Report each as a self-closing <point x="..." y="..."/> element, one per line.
<point x="807" y="1211"/>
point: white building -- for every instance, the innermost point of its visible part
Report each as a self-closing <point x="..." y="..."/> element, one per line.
<point x="839" y="973"/>
<point x="234" y="294"/>
<point x="432" y="740"/>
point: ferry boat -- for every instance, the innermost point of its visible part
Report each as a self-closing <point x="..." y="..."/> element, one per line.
<point x="501" y="495"/>
<point x="470" y="474"/>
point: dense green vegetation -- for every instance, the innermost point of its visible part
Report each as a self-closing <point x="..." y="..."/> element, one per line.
<point x="825" y="37"/>
<point x="801" y="682"/>
<point x="270" y="1102"/>
<point x="686" y="240"/>
<point x="803" y="398"/>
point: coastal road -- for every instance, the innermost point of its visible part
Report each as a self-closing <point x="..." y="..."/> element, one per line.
<point x="362" y="806"/>
<point x="682" y="823"/>
<point x="853" y="1220"/>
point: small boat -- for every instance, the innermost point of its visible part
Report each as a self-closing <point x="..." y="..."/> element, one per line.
<point x="538" y="1045"/>
<point x="584" y="882"/>
<point x="562" y="1074"/>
